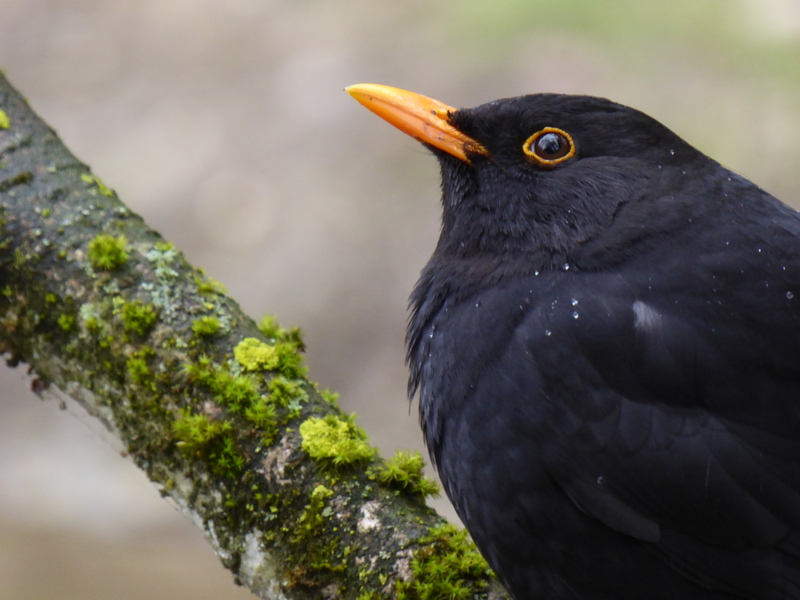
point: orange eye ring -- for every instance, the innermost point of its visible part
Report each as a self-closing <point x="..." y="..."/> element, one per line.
<point x="549" y="147"/>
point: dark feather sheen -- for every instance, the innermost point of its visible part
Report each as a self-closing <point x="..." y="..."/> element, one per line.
<point x="607" y="358"/>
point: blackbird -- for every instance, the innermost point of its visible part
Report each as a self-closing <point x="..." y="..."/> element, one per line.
<point x="606" y="348"/>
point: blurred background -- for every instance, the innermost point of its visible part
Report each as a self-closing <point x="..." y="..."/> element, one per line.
<point x="224" y="124"/>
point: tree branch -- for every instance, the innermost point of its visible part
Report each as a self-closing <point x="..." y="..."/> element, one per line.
<point x="217" y="411"/>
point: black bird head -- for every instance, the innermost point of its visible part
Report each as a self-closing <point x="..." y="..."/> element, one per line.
<point x="541" y="180"/>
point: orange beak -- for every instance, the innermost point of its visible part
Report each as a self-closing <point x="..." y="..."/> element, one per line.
<point x="423" y="118"/>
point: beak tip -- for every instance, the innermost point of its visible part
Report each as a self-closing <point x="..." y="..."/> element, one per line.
<point x="357" y="89"/>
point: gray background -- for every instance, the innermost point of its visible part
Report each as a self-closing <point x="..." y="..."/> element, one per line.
<point x="224" y="124"/>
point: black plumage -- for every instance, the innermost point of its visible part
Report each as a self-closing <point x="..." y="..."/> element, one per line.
<point x="606" y="350"/>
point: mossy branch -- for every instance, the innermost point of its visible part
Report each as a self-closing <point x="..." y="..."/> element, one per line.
<point x="215" y="409"/>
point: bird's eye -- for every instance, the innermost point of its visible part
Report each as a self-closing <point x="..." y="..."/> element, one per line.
<point x="549" y="147"/>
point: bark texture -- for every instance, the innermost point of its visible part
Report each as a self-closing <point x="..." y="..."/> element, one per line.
<point x="286" y="488"/>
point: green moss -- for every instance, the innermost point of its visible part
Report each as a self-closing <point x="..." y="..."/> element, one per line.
<point x="404" y="472"/>
<point x="206" y="326"/>
<point x="213" y="441"/>
<point x="283" y="391"/>
<point x="295" y="337"/>
<point x="200" y="370"/>
<point x="335" y="442"/>
<point x="45" y="212"/>
<point x="239" y="393"/>
<point x="274" y="332"/>
<point x="446" y="566"/>
<point x="262" y="415"/>
<point x="255" y="355"/>
<point x="329" y="396"/>
<point x="138" y="317"/>
<point x="270" y="328"/>
<point x="5" y="122"/>
<point x="208" y="285"/>
<point x="93" y="325"/>
<point x="164" y="246"/>
<point x="66" y="322"/>
<point x="314" y="515"/>
<point x="290" y="361"/>
<point x="195" y="432"/>
<point x="236" y="392"/>
<point x="288" y="394"/>
<point x="323" y="553"/>
<point x="51" y="298"/>
<point x="20" y="258"/>
<point x="139" y="369"/>
<point x="94" y="180"/>
<point x="107" y="252"/>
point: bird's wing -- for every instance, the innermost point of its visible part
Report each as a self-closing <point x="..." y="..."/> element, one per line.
<point x="678" y="421"/>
